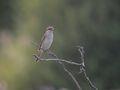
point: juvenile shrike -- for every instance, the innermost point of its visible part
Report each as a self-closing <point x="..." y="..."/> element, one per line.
<point x="46" y="41"/>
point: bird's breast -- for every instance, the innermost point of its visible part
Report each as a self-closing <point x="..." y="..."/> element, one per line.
<point x="47" y="40"/>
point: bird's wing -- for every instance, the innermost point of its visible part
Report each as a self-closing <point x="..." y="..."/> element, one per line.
<point x="43" y="37"/>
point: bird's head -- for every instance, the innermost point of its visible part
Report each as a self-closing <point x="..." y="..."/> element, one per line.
<point x="50" y="28"/>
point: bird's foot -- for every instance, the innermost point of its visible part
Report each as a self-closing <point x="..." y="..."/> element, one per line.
<point x="36" y="57"/>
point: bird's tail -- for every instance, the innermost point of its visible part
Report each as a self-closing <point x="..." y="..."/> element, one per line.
<point x="40" y="52"/>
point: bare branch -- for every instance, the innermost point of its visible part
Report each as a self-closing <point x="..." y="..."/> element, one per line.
<point x="73" y="78"/>
<point x="56" y="59"/>
<point x="66" y="70"/>
<point x="80" y="65"/>
<point x="89" y="82"/>
<point x="64" y="67"/>
<point x="81" y="50"/>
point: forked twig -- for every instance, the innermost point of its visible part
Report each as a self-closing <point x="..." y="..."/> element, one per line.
<point x="66" y="70"/>
<point x="81" y="51"/>
<point x="81" y="65"/>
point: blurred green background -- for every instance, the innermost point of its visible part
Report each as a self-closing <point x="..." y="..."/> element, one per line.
<point x="94" y="24"/>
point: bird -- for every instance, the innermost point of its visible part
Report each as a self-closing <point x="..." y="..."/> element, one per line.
<point x="46" y="41"/>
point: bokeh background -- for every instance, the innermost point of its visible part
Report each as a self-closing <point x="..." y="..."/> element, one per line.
<point x="94" y="24"/>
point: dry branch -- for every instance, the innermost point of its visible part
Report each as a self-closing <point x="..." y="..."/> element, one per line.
<point x="81" y="51"/>
<point x="81" y="66"/>
<point x="57" y="59"/>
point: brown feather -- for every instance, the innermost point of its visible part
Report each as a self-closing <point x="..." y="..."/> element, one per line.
<point x="43" y="37"/>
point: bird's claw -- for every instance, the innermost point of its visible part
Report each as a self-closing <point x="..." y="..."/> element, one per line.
<point x="37" y="58"/>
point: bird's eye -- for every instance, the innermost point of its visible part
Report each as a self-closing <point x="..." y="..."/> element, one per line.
<point x="50" y="29"/>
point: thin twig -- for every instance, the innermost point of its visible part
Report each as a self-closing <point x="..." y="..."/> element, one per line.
<point x="62" y="60"/>
<point x="66" y="70"/>
<point x="81" y="50"/>
<point x="89" y="82"/>
<point x="73" y="78"/>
